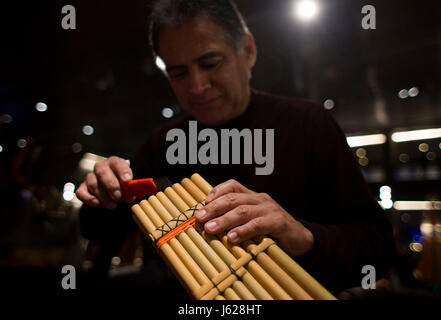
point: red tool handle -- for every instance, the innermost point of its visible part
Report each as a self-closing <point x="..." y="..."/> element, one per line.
<point x="139" y="188"/>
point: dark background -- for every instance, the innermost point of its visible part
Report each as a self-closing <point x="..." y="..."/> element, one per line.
<point x="102" y="74"/>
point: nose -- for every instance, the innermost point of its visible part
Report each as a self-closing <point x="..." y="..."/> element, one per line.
<point x="198" y="82"/>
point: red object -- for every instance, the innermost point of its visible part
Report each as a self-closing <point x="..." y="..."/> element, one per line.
<point x="139" y="188"/>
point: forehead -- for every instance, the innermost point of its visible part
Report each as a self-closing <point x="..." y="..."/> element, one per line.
<point x="188" y="41"/>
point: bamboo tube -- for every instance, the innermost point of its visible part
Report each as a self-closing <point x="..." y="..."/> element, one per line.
<point x="278" y="274"/>
<point x="253" y="267"/>
<point x="231" y="295"/>
<point x="312" y="286"/>
<point x="239" y="287"/>
<point x="184" y="274"/>
<point x="184" y="239"/>
<point x="298" y="274"/>
<point x="194" y="235"/>
<point x="254" y="286"/>
<point x="176" y="245"/>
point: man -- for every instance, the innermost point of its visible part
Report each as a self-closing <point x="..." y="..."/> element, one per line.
<point x="315" y="203"/>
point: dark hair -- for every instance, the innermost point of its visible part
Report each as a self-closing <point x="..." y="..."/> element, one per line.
<point x="175" y="12"/>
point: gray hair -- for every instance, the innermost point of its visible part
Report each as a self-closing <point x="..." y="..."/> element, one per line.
<point x="176" y="12"/>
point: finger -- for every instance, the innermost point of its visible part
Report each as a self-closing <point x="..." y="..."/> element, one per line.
<point x="108" y="180"/>
<point x="121" y="168"/>
<point x="252" y="228"/>
<point x="97" y="190"/>
<point x="83" y="194"/>
<point x="234" y="218"/>
<point x="225" y="203"/>
<point x="231" y="186"/>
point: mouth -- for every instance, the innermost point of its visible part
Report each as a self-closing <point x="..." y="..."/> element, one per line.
<point x="206" y="104"/>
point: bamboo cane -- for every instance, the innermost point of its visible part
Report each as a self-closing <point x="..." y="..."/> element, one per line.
<point x="297" y="273"/>
<point x="239" y="288"/>
<point x="177" y="195"/>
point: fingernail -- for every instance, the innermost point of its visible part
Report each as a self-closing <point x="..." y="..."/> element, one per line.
<point x="127" y="176"/>
<point x="232" y="236"/>
<point x="211" y="225"/>
<point x="117" y="195"/>
<point x="95" y="202"/>
<point x="210" y="196"/>
<point x="200" y="214"/>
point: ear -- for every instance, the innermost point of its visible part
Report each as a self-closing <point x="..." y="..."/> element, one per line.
<point x="250" y="50"/>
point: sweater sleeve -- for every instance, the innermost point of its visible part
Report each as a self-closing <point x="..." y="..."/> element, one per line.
<point x="350" y="228"/>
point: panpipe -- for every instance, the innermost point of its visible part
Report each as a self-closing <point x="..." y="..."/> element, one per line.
<point x="209" y="266"/>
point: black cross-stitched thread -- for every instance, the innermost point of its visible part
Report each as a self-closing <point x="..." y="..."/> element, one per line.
<point x="214" y="285"/>
<point x="234" y="272"/>
<point x="253" y="256"/>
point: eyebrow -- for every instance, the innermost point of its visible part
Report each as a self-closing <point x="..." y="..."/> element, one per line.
<point x="208" y="55"/>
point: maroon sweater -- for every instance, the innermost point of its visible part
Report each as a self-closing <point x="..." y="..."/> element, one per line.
<point x="316" y="179"/>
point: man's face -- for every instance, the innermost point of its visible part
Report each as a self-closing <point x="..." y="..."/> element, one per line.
<point x="209" y="77"/>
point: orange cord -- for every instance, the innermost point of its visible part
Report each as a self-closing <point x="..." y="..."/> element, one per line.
<point x="176" y="231"/>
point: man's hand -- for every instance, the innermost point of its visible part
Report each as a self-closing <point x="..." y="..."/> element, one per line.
<point x="102" y="186"/>
<point x="243" y="213"/>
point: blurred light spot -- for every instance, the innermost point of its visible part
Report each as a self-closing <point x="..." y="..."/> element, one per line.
<point x="413" y="135"/>
<point x="138" y="261"/>
<point x="403" y="94"/>
<point x="417" y="274"/>
<point x="385" y="196"/>
<point x="423" y="147"/>
<point x="366" y="140"/>
<point x="167" y="113"/>
<point x="68" y="195"/>
<point x="69" y="186"/>
<point x="88" y="161"/>
<point x="417" y="205"/>
<point x="116" y="261"/>
<point x="1" y="148"/>
<point x="413" y="92"/>
<point x="426" y="229"/>
<point x="22" y="143"/>
<point x="387" y="204"/>
<point x="329" y="104"/>
<point x="363" y="161"/>
<point x="404" y="157"/>
<point x="6" y="118"/>
<point x="88" y="130"/>
<point x="385" y="189"/>
<point x="431" y="155"/>
<point x="160" y="64"/>
<point x="416" y="247"/>
<point x="361" y="152"/>
<point x="306" y="9"/>
<point x="41" y="107"/>
<point x="77" y="147"/>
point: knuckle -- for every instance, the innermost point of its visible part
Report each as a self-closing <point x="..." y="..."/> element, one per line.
<point x="264" y="196"/>
<point x="230" y="197"/>
<point x="242" y="211"/>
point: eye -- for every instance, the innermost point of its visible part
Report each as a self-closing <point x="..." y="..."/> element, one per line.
<point x="210" y="63"/>
<point x="177" y="74"/>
